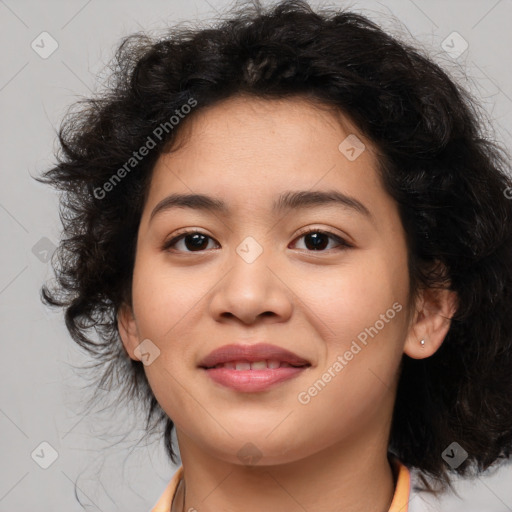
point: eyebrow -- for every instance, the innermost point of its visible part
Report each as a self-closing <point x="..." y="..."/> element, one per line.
<point x="290" y="200"/>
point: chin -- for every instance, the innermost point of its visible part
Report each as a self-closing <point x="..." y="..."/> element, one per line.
<point x="258" y="449"/>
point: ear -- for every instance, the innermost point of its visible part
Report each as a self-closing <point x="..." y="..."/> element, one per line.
<point x="432" y="319"/>
<point x="127" y="327"/>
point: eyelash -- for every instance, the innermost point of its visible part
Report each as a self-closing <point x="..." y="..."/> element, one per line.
<point x="343" y="243"/>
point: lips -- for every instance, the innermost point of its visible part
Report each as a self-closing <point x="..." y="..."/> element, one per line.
<point x="237" y="355"/>
<point x="252" y="368"/>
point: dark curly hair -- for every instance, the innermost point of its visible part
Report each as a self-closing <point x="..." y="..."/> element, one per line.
<point x="450" y="182"/>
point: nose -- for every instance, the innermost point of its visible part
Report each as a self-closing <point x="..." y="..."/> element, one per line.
<point x="252" y="292"/>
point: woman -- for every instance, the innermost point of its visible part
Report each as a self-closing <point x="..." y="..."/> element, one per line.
<point x="294" y="244"/>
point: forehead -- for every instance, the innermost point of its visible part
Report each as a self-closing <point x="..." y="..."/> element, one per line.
<point x="249" y="150"/>
<point x="243" y="114"/>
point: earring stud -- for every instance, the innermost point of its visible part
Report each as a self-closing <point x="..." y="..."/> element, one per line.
<point x="422" y="343"/>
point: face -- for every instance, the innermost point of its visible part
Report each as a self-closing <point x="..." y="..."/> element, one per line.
<point x="249" y="273"/>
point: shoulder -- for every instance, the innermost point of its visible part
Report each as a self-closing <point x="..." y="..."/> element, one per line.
<point x="164" y="502"/>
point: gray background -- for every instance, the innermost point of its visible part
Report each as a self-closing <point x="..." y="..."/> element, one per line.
<point x="41" y="393"/>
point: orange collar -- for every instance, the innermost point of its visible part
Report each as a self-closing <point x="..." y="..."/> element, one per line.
<point x="399" y="504"/>
<point x="165" y="501"/>
<point x="401" y="497"/>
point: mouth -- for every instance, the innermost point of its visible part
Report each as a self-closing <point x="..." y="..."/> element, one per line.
<point x="270" y="364"/>
<point x="252" y="357"/>
<point x="252" y="368"/>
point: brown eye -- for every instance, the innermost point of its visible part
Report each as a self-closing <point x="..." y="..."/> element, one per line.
<point x="195" y="241"/>
<point x="318" y="240"/>
<point x="191" y="241"/>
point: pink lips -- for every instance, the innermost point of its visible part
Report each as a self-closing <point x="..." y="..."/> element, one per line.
<point x="257" y="379"/>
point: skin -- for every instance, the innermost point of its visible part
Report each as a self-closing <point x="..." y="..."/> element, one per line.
<point x="329" y="454"/>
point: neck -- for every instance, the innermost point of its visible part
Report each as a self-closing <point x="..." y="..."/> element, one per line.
<point x="348" y="477"/>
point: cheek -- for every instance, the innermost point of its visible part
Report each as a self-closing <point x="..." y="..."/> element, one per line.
<point x="168" y="303"/>
<point x="345" y="301"/>
<point x="359" y="312"/>
<point x="164" y="295"/>
<point x="360" y="316"/>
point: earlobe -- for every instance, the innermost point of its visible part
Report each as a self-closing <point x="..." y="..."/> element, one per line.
<point x="431" y="323"/>
<point x="128" y="330"/>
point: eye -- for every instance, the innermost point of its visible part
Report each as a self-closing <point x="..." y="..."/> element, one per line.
<point x="317" y="240"/>
<point x="194" y="241"/>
